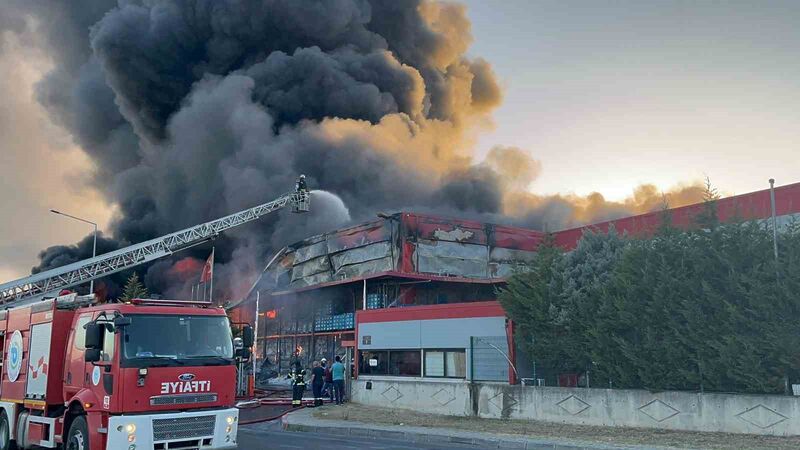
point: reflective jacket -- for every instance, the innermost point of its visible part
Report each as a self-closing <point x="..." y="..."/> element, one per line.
<point x="297" y="377"/>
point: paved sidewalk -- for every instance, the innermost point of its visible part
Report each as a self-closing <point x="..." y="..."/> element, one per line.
<point x="304" y="421"/>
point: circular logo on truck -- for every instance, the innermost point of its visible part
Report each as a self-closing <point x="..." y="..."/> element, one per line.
<point x="96" y="376"/>
<point x="14" y="356"/>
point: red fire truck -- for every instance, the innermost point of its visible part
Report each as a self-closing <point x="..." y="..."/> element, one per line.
<point x="149" y="374"/>
<point x="141" y="375"/>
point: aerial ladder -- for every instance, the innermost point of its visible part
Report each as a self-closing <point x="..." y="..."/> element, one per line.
<point x="50" y="283"/>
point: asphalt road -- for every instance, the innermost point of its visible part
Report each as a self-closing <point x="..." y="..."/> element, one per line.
<point x="271" y="437"/>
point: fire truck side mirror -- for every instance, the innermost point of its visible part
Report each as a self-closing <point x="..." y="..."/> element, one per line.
<point x="92" y="355"/>
<point x="94" y="336"/>
<point x="247" y="336"/>
<point x="122" y="321"/>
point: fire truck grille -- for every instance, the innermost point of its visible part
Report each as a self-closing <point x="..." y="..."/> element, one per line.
<point x="183" y="428"/>
<point x="161" y="400"/>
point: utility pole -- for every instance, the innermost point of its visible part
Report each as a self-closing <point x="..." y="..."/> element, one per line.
<point x="774" y="218"/>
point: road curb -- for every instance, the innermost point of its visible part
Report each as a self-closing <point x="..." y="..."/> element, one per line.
<point x="366" y="431"/>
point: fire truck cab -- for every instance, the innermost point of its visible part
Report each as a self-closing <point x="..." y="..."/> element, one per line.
<point x="139" y="375"/>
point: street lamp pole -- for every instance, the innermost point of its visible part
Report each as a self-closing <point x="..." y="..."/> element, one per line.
<point x="94" y="245"/>
<point x="774" y="218"/>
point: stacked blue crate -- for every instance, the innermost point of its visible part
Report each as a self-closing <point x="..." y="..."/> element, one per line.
<point x="335" y="322"/>
<point x="375" y="301"/>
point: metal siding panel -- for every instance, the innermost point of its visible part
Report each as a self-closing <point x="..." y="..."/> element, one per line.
<point x="487" y="363"/>
<point x="322" y="277"/>
<point x="516" y="238"/>
<point x="502" y="270"/>
<point x="444" y="229"/>
<point x="450" y="258"/>
<point x="754" y="205"/>
<point x="390" y="335"/>
<point x="307" y="252"/>
<point x="359" y="236"/>
<point x="511" y="255"/>
<point x="455" y="333"/>
<point x="358" y="255"/>
<point x="430" y="334"/>
<point x="311" y="267"/>
<point x="366" y="268"/>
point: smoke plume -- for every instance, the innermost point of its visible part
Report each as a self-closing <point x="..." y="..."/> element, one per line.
<point x="193" y="109"/>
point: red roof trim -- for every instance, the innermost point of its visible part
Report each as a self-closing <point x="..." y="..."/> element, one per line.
<point x="432" y="312"/>
<point x="752" y="205"/>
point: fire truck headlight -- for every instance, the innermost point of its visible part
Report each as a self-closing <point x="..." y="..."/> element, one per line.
<point x="228" y="429"/>
<point x="229" y="419"/>
<point x="131" y="438"/>
<point x="143" y="371"/>
<point x="130" y="428"/>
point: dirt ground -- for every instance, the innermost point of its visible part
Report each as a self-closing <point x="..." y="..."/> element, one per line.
<point x="554" y="431"/>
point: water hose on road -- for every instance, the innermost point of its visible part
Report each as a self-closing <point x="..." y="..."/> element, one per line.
<point x="269" y="419"/>
<point x="268" y="398"/>
<point x="257" y="402"/>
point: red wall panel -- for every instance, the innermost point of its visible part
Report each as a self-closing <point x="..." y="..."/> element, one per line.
<point x="754" y="205"/>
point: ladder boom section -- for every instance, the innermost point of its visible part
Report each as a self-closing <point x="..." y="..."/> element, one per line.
<point x="83" y="271"/>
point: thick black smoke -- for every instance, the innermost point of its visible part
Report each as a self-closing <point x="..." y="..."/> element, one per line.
<point x="193" y="109"/>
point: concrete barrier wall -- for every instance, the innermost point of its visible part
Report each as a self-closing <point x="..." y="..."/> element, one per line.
<point x="731" y="413"/>
<point x="448" y="397"/>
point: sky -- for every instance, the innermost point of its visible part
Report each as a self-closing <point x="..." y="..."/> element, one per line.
<point x="610" y="94"/>
<point x="605" y="94"/>
<point x="41" y="170"/>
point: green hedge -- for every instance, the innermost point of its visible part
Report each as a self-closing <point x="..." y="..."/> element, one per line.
<point x="707" y="309"/>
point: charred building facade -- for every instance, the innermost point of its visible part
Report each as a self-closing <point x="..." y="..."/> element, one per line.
<point x="416" y="295"/>
<point x="313" y="293"/>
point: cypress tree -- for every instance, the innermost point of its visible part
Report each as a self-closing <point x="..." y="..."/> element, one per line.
<point x="133" y="289"/>
<point x="689" y="310"/>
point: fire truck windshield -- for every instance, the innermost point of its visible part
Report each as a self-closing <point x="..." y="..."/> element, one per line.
<point x="152" y="340"/>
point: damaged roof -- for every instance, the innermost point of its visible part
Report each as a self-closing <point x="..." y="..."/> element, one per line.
<point x="406" y="245"/>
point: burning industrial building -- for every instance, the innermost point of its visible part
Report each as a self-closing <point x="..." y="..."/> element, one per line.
<point x="407" y="287"/>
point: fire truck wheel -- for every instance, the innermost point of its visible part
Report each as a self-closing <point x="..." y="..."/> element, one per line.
<point x="78" y="438"/>
<point x="5" y="433"/>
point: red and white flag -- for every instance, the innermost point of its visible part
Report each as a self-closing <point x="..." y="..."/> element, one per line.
<point x="208" y="269"/>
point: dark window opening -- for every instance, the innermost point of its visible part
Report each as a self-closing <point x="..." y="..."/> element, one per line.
<point x="403" y="363"/>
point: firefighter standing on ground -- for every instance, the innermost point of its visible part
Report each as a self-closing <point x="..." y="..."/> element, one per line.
<point x="327" y="387"/>
<point x="297" y="375"/>
<point x="317" y="377"/>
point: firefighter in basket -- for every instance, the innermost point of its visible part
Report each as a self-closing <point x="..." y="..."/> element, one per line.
<point x="300" y="185"/>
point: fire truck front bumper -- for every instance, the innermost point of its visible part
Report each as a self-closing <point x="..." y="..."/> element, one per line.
<point x="214" y="429"/>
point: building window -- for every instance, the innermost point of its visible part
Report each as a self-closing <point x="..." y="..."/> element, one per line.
<point x="374" y="363"/>
<point x="446" y="363"/>
<point x="404" y="363"/>
<point x="79" y="341"/>
<point x="108" y="345"/>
